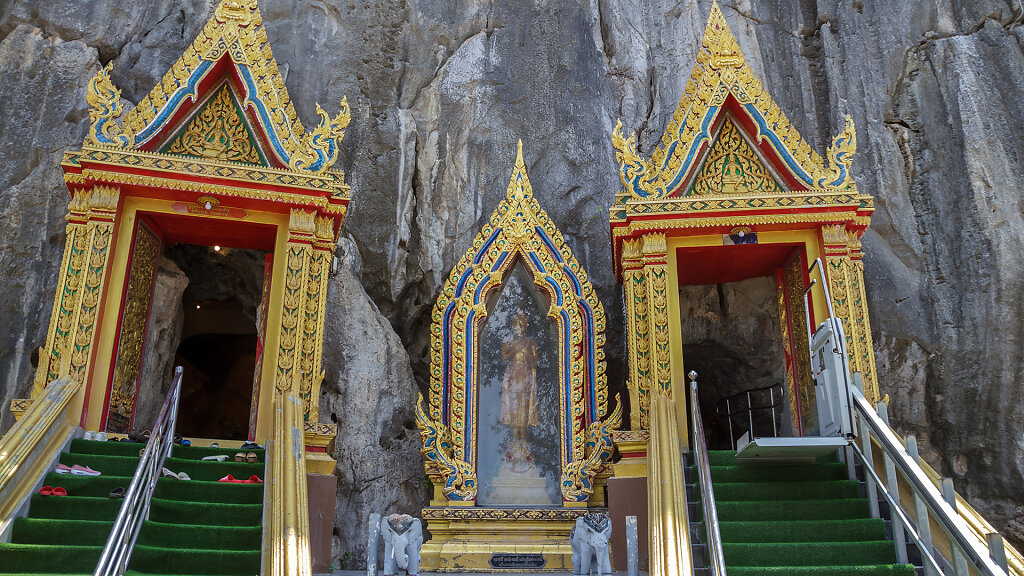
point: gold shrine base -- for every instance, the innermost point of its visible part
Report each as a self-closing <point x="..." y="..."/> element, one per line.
<point x="465" y="539"/>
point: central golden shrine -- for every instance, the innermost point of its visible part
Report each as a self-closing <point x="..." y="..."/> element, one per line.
<point x="516" y="432"/>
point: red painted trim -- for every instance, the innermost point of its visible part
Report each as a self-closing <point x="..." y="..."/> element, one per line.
<point x="634" y="454"/>
<point x="319" y="449"/>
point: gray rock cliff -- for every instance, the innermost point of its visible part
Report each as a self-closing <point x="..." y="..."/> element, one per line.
<point x="440" y="91"/>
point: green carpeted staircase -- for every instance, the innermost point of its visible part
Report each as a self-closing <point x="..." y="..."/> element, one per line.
<point x="196" y="527"/>
<point x="805" y="520"/>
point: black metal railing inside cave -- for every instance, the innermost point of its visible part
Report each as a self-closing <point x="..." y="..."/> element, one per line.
<point x="757" y="411"/>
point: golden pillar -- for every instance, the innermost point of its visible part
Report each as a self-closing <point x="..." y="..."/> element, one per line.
<point x="635" y="297"/>
<point x="92" y="213"/>
<point x="655" y="258"/>
<point x="845" y="270"/>
<point x="644" y="269"/>
<point x="299" y="373"/>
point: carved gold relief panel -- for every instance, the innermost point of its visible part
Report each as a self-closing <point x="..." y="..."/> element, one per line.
<point x="134" y="319"/>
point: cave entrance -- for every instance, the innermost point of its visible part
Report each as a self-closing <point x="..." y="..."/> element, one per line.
<point x="220" y="345"/>
<point x="196" y="296"/>
<point x="744" y="330"/>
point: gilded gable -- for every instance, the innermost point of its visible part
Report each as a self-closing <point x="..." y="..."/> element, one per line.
<point x="732" y="167"/>
<point x="217" y="132"/>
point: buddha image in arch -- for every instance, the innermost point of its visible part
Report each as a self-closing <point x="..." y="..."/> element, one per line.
<point x="519" y="393"/>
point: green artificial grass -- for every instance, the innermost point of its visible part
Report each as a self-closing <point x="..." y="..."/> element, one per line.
<point x="48" y="559"/>
<point x="196" y="527"/>
<point x="74" y="532"/>
<point x="204" y="513"/>
<point x="804" y="531"/>
<point x="786" y="490"/>
<point x="881" y="570"/>
<point x="801" y="520"/>
<point x="247" y="537"/>
<point x="194" y="560"/>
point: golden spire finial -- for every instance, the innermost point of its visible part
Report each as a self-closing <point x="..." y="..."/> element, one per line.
<point x="519" y="186"/>
<point x="518" y="196"/>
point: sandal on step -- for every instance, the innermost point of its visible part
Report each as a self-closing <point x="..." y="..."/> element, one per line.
<point x="250" y="457"/>
<point x="240" y="457"/>
<point x="217" y="458"/>
<point x="117" y="493"/>
<point x="58" y="491"/>
<point x="46" y="491"/>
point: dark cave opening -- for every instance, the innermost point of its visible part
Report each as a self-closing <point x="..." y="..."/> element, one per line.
<point x="218" y="345"/>
<point x="732" y="339"/>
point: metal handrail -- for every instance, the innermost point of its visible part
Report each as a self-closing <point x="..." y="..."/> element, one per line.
<point x="896" y="507"/>
<point x="135" y="508"/>
<point x="707" y="492"/>
<point x="942" y="512"/>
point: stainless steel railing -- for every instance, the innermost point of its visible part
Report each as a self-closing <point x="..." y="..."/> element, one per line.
<point x="135" y="508"/>
<point x="929" y="506"/>
<point x="716" y="558"/>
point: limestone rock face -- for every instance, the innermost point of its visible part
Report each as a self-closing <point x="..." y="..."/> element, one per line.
<point x="440" y="91"/>
<point x="370" y="393"/>
<point x="166" y="318"/>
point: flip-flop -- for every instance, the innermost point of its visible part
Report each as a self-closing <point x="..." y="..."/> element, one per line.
<point x="217" y="458"/>
<point x="239" y="456"/>
<point x="253" y="480"/>
<point x="46" y="491"/>
<point x="230" y="479"/>
<point x="250" y="457"/>
<point x="58" y="491"/>
<point x="167" y="473"/>
<point x="117" y="493"/>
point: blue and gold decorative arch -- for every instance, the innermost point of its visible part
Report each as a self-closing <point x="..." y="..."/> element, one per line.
<point x="518" y="230"/>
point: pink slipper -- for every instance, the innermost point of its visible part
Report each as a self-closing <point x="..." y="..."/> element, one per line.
<point x="253" y="480"/>
<point x="231" y="479"/>
<point x="84" y="471"/>
<point x="62" y="469"/>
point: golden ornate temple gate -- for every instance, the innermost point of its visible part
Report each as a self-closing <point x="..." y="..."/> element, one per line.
<point x="732" y="192"/>
<point x="214" y="154"/>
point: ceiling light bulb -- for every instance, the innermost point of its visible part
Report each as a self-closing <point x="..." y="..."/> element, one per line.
<point x="216" y="248"/>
